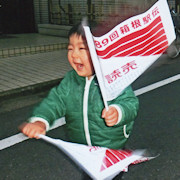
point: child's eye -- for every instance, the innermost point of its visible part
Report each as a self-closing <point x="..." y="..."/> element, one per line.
<point x="82" y="48"/>
<point x="70" y="49"/>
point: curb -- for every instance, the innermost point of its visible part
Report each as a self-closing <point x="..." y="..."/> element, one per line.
<point x="26" y="50"/>
<point x="31" y="89"/>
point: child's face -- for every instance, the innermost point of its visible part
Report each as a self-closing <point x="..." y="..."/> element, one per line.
<point x="79" y="56"/>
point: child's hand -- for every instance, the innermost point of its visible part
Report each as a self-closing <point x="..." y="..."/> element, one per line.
<point x="32" y="130"/>
<point x="110" y="116"/>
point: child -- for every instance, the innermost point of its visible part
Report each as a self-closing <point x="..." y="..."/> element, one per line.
<point x="79" y="99"/>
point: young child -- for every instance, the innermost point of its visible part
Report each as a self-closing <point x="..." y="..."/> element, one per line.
<point x="79" y="99"/>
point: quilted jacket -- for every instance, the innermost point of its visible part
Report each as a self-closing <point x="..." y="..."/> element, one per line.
<point x="80" y="101"/>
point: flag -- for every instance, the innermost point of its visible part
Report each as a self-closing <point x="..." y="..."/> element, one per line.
<point x="99" y="162"/>
<point x="125" y="52"/>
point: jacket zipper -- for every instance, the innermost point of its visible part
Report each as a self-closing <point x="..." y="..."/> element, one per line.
<point x="85" y="110"/>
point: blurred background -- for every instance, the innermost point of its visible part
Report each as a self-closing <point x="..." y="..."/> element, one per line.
<point x="46" y="16"/>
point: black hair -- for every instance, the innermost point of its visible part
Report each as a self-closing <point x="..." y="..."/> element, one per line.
<point x="78" y="30"/>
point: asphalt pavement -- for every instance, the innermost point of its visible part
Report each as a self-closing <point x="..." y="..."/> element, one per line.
<point x="156" y="127"/>
<point x="40" y="63"/>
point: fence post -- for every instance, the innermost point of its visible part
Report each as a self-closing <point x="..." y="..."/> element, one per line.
<point x="70" y="14"/>
<point x="89" y="9"/>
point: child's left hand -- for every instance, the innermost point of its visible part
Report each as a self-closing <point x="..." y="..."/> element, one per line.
<point x="110" y="116"/>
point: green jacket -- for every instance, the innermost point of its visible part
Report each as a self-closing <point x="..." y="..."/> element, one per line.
<point x="81" y="103"/>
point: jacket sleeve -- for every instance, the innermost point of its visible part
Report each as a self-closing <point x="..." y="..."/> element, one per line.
<point x="53" y="106"/>
<point x="128" y="104"/>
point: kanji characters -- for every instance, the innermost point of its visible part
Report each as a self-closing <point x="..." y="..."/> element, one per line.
<point x="147" y="19"/>
<point x="114" y="35"/>
<point x="155" y="12"/>
<point x="124" y="29"/>
<point x="121" y="71"/>
<point x="126" y="68"/>
<point x="136" y="23"/>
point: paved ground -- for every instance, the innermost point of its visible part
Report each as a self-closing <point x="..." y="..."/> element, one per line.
<point x="156" y="129"/>
<point x="21" y="40"/>
<point x="20" y="73"/>
<point x="24" y="72"/>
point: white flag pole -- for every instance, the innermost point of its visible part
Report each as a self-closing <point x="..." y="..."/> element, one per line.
<point x="96" y="64"/>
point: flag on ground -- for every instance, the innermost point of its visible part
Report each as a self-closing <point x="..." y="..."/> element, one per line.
<point x="99" y="162"/>
<point x="124" y="53"/>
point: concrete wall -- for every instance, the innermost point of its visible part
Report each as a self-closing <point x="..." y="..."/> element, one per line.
<point x="41" y="11"/>
<point x="54" y="30"/>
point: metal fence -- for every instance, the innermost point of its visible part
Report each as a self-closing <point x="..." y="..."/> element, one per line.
<point x="64" y="12"/>
<point x="69" y="12"/>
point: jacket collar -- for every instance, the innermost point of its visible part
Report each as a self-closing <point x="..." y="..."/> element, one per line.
<point x="81" y="79"/>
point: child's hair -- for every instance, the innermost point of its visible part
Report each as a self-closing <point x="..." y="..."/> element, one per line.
<point x="78" y="30"/>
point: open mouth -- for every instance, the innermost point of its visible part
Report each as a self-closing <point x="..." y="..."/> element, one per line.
<point x="79" y="66"/>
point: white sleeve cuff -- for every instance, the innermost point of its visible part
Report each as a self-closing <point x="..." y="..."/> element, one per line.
<point x="119" y="112"/>
<point x="34" y="119"/>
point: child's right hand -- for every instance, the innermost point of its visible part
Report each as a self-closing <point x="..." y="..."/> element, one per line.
<point x="32" y="130"/>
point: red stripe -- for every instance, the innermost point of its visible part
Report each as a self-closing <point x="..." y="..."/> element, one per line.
<point x="156" y="42"/>
<point x="106" y="162"/>
<point x="140" y="49"/>
<point x="126" y="152"/>
<point x="129" y="37"/>
<point x="115" y="156"/>
<point x="112" y="155"/>
<point x="102" y="168"/>
<point x="143" y="48"/>
<point x="160" y="51"/>
<point x="146" y="39"/>
<point x="164" y="44"/>
<point x="121" y="155"/>
<point x="138" y="45"/>
<point x="135" y="42"/>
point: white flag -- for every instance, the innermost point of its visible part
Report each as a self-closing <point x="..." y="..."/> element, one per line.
<point x="124" y="53"/>
<point x="98" y="162"/>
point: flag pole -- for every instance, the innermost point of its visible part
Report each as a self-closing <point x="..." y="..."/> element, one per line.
<point x="96" y="64"/>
